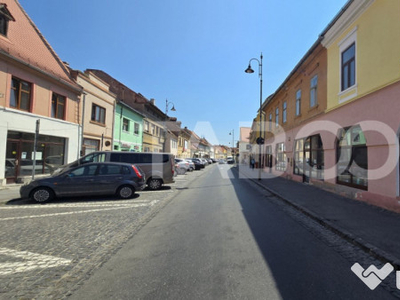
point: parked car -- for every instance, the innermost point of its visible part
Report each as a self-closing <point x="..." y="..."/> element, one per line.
<point x="90" y="179"/>
<point x="222" y="161"/>
<point x="230" y="161"/>
<point x="198" y="164"/>
<point x="25" y="168"/>
<point x="158" y="168"/>
<point x="181" y="166"/>
<point x="191" y="164"/>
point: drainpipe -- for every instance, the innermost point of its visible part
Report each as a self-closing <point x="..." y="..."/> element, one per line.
<point x="83" y="120"/>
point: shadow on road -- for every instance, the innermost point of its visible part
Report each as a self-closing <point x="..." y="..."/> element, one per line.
<point x="302" y="265"/>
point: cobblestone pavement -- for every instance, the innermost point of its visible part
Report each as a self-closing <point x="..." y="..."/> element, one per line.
<point x="47" y="251"/>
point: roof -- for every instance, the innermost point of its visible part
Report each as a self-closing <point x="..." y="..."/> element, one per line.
<point x="26" y="44"/>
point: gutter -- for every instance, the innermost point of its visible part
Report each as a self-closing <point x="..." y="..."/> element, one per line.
<point x="63" y="82"/>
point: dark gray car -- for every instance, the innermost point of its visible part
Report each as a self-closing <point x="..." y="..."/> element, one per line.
<point x="91" y="179"/>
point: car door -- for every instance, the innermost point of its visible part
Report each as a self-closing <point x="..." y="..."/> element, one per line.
<point x="108" y="178"/>
<point x="79" y="181"/>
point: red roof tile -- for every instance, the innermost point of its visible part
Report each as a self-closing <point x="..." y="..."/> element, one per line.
<point x="25" y="43"/>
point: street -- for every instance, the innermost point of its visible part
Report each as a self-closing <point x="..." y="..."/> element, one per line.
<point x="210" y="236"/>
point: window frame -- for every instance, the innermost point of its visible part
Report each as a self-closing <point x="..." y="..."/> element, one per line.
<point x="284" y="112"/>
<point x="58" y="101"/>
<point x="298" y="102"/>
<point x="350" y="66"/>
<point x="136" y="128"/>
<point x="98" y="114"/>
<point x="313" y="91"/>
<point x="351" y="148"/>
<point x="125" y="124"/>
<point x="17" y="92"/>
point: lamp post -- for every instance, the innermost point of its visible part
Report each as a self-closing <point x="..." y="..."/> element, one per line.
<point x="232" y="133"/>
<point x="165" y="122"/>
<point x="166" y="106"/>
<point x="259" y="139"/>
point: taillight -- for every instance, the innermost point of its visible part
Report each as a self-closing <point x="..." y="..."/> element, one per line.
<point x="138" y="174"/>
<point x="172" y="167"/>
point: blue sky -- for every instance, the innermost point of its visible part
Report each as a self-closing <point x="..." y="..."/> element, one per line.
<point x="192" y="53"/>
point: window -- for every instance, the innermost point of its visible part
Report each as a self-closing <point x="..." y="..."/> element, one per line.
<point x="153" y="129"/>
<point x="276" y="117"/>
<point x="90" y="146"/>
<point x="280" y="157"/>
<point x="84" y="171"/>
<point x="268" y="156"/>
<point x="349" y="67"/>
<point x="20" y="97"/>
<point x="298" y="167"/>
<point x="298" y="103"/>
<point x="136" y="128"/>
<point x="146" y="126"/>
<point x="352" y="158"/>
<point x="5" y="17"/>
<point x="98" y="114"/>
<point x="284" y="113"/>
<point x="58" y="106"/>
<point x="125" y="124"/>
<point x="314" y="154"/>
<point x="270" y="122"/>
<point x="313" y="91"/>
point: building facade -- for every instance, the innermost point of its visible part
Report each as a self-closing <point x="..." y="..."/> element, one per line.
<point x="96" y="112"/>
<point x="38" y="99"/>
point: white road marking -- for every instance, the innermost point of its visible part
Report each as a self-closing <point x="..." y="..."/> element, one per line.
<point x="30" y="261"/>
<point x="91" y="204"/>
<point x="106" y="207"/>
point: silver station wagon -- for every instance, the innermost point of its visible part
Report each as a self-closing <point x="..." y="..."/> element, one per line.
<point x="92" y="179"/>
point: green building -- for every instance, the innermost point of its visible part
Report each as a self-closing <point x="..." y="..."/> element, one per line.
<point x="128" y="129"/>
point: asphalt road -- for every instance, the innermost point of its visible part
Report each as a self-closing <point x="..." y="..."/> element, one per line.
<point x="224" y="238"/>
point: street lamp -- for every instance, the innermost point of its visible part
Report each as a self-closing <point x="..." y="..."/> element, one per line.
<point x="260" y="141"/>
<point x="232" y="133"/>
<point x="166" y="106"/>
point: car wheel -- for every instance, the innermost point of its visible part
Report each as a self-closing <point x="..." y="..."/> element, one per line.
<point x="42" y="195"/>
<point x="126" y="192"/>
<point x="154" y="184"/>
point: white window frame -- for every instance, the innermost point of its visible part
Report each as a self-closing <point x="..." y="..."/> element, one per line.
<point x="344" y="44"/>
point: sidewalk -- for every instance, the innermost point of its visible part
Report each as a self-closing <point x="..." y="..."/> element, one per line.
<point x="372" y="228"/>
<point x="9" y="192"/>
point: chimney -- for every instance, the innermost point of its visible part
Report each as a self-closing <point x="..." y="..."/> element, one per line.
<point x="153" y="101"/>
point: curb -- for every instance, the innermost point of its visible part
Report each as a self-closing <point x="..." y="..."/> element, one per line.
<point x="359" y="242"/>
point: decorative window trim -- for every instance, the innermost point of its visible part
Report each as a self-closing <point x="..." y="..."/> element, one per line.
<point x="344" y="44"/>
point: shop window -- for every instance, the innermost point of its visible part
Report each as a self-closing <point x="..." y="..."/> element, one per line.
<point x="268" y="157"/>
<point x="352" y="158"/>
<point x="280" y="157"/>
<point x="57" y="106"/>
<point x="20" y="97"/>
<point x="298" y="167"/>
